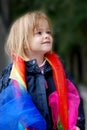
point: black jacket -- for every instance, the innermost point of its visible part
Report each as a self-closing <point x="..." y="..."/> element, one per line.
<point x="34" y="77"/>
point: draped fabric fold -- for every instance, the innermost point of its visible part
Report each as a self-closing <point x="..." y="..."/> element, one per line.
<point x="17" y="110"/>
<point x="68" y="97"/>
<point x="60" y="83"/>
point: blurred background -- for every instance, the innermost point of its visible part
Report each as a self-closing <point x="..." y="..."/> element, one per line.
<point x="69" y="20"/>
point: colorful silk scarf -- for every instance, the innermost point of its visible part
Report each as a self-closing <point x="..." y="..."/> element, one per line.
<point x="68" y="97"/>
<point x="60" y="83"/>
<point x="17" y="110"/>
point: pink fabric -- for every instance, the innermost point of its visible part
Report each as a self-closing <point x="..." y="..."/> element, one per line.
<point x="74" y="100"/>
<point x="73" y="103"/>
<point x="53" y="103"/>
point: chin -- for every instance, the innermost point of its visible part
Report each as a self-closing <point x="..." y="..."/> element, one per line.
<point x="47" y="51"/>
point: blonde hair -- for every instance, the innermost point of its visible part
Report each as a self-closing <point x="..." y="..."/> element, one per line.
<point x="21" y="32"/>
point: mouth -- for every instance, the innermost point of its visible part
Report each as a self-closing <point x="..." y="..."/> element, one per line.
<point x="46" y="42"/>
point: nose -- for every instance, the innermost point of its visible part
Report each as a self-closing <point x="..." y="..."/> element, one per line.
<point x="46" y="36"/>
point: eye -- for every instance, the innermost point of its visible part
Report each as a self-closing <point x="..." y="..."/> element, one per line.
<point x="38" y="33"/>
<point x="49" y="32"/>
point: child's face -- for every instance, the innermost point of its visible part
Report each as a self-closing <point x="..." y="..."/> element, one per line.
<point x="42" y="40"/>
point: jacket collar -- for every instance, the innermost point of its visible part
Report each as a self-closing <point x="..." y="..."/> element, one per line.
<point x="32" y="67"/>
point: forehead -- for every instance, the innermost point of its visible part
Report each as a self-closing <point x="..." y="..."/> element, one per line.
<point x="42" y="24"/>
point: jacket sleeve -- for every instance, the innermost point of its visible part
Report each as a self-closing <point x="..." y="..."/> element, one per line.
<point x="4" y="78"/>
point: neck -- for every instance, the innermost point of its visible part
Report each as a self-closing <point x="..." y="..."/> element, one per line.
<point x="39" y="60"/>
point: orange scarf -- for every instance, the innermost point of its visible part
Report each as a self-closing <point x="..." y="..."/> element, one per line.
<point x="60" y="83"/>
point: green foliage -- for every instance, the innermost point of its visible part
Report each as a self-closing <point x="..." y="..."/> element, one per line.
<point x="68" y="17"/>
<point x="59" y="126"/>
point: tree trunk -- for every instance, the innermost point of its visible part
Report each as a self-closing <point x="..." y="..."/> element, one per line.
<point x="4" y="25"/>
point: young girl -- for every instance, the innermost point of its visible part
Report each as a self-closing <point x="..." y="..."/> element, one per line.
<point x="36" y="92"/>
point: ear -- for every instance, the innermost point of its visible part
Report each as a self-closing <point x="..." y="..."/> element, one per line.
<point x="25" y="46"/>
<point x="13" y="54"/>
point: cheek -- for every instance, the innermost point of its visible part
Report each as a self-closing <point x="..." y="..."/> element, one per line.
<point x="52" y="40"/>
<point x="33" y="45"/>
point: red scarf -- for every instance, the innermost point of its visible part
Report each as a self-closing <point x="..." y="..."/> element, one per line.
<point x="60" y="83"/>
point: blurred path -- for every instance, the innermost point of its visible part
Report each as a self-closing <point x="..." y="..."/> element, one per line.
<point x="83" y="91"/>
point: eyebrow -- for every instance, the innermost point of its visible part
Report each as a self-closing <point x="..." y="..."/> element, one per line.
<point x="40" y="29"/>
